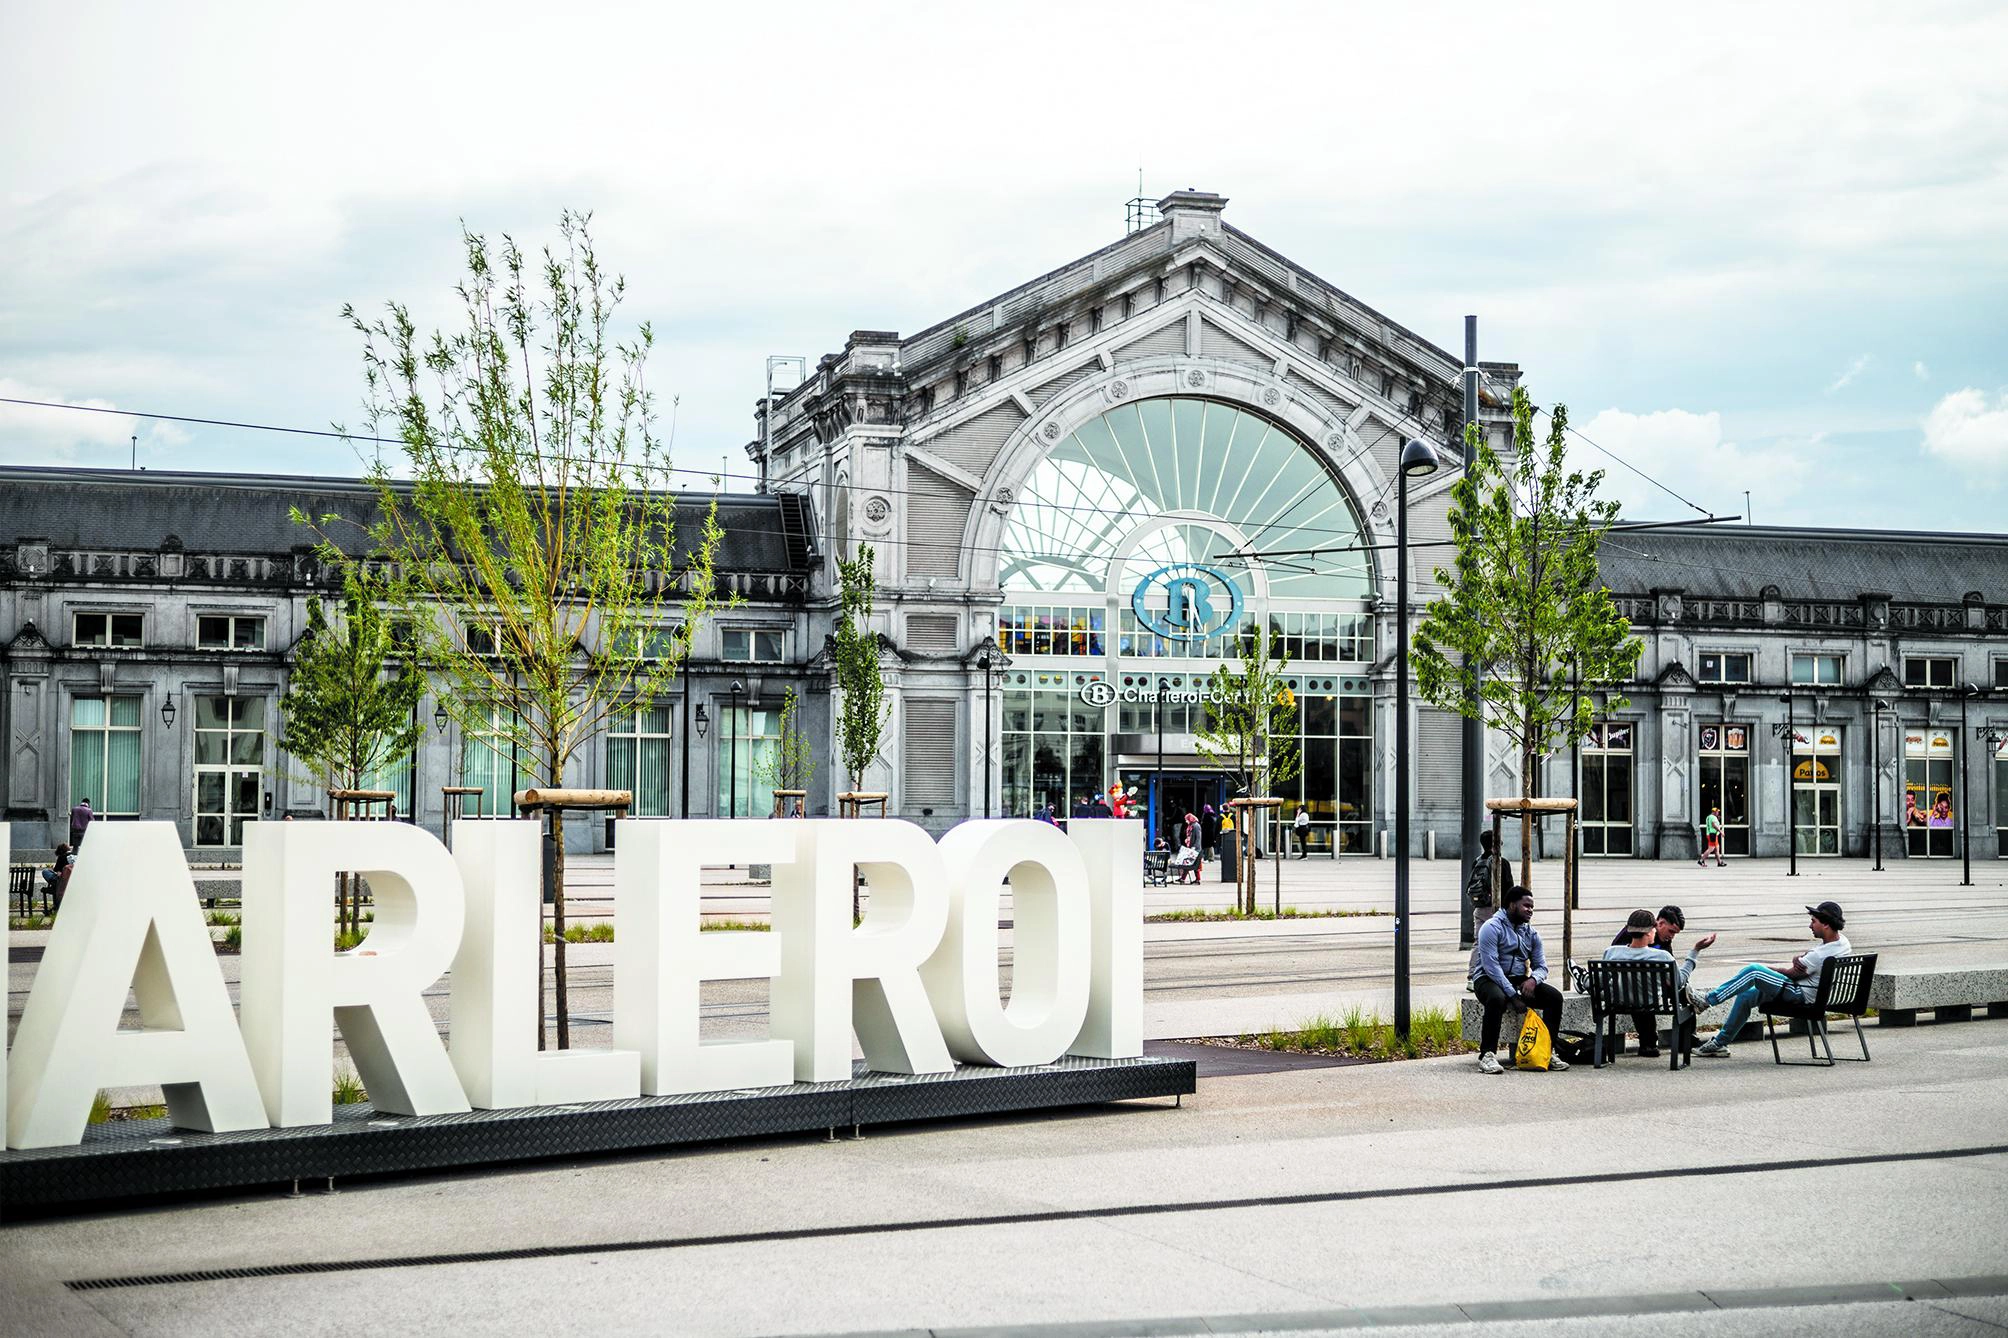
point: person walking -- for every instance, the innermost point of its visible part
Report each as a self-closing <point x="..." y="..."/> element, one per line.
<point x="1756" y="983"/>
<point x="1513" y="967"/>
<point x="1711" y="834"/>
<point x="80" y="818"/>
<point x="1301" y="825"/>
<point x="1478" y="890"/>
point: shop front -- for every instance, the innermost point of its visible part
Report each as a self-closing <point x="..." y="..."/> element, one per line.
<point x="1151" y="546"/>
<point x="1725" y="782"/>
<point x="1816" y="790"/>
<point x="1930" y="804"/>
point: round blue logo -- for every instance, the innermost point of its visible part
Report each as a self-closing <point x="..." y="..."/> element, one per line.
<point x="1187" y="601"/>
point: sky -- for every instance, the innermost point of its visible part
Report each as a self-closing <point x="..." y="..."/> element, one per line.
<point x="1757" y="248"/>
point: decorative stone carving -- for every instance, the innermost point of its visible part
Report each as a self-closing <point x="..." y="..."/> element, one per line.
<point x="1051" y="432"/>
<point x="1119" y="389"/>
<point x="1335" y="440"/>
<point x="1272" y="396"/>
<point x="877" y="509"/>
<point x="1195" y="378"/>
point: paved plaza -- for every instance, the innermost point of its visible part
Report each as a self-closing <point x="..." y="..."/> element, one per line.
<point x="1731" y="1198"/>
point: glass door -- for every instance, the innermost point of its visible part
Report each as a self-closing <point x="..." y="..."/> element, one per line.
<point x="1606" y="794"/>
<point x="1725" y="783"/>
<point x="229" y="767"/>
<point x="1816" y="790"/>
<point x="1930" y="823"/>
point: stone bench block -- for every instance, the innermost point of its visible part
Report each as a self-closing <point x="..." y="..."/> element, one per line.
<point x="1949" y="995"/>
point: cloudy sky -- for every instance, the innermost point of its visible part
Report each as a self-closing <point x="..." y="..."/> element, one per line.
<point x="1751" y="247"/>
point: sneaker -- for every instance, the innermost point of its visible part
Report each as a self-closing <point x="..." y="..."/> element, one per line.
<point x="1557" y="1064"/>
<point x="1489" y="1063"/>
<point x="1647" y="1052"/>
<point x="1714" y="1049"/>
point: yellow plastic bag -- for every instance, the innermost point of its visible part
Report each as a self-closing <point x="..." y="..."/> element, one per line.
<point x="1535" y="1044"/>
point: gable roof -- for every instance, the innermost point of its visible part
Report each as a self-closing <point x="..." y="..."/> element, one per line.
<point x="1738" y="561"/>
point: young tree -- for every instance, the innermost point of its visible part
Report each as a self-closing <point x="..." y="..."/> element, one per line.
<point x="1250" y="732"/>
<point x="862" y="717"/>
<point x="791" y="763"/>
<point x="351" y="702"/>
<point x="1524" y="620"/>
<point x="542" y="575"/>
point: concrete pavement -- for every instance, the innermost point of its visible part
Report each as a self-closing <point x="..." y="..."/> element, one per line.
<point x="1329" y="1198"/>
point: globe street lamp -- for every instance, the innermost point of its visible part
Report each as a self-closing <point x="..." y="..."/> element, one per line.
<point x="1417" y="461"/>
<point x="1966" y="694"/>
<point x="1875" y="748"/>
<point x="1790" y="730"/>
<point x="986" y="660"/>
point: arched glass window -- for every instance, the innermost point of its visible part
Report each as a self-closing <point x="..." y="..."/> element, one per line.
<point x="1140" y="462"/>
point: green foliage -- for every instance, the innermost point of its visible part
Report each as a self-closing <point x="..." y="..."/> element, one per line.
<point x="233" y="938"/>
<point x="1287" y="913"/>
<point x="347" y="939"/>
<point x="101" y="1108"/>
<point x="1525" y="613"/>
<point x="1360" y="1034"/>
<point x="750" y="926"/>
<point x="220" y="918"/>
<point x="792" y="762"/>
<point x="348" y="1089"/>
<point x="1250" y="730"/>
<point x="861" y="723"/>
<point x="31" y="921"/>
<point x="351" y="702"/>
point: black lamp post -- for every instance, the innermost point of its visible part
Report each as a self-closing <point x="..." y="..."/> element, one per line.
<point x="1966" y="694"/>
<point x="1791" y="736"/>
<point x="167" y="711"/>
<point x="986" y="660"/>
<point x="688" y="693"/>
<point x="1875" y="765"/>
<point x="1157" y="781"/>
<point x="732" y="776"/>
<point x="1417" y="461"/>
<point x="439" y="717"/>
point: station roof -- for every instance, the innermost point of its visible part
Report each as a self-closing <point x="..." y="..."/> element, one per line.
<point x="1738" y="561"/>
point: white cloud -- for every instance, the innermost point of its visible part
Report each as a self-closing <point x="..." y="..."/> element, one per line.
<point x="1965" y="429"/>
<point x="1688" y="454"/>
<point x="31" y="435"/>
<point x="1920" y="371"/>
<point x="1855" y="369"/>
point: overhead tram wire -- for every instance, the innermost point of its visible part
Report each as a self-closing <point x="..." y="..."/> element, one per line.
<point x="646" y="468"/>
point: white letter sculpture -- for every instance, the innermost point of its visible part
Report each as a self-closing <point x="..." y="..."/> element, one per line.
<point x="1113" y="850"/>
<point x="835" y="978"/>
<point x="1049" y="964"/>
<point x="494" y="983"/>
<point x="130" y="920"/>
<point x="661" y="957"/>
<point x="293" y="978"/>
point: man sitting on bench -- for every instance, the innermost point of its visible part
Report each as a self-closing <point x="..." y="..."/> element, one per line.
<point x="1665" y="928"/>
<point x="1645" y="937"/>
<point x="1511" y="965"/>
<point x="1756" y="984"/>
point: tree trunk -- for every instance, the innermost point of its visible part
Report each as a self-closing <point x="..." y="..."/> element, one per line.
<point x="558" y="927"/>
<point x="1526" y="818"/>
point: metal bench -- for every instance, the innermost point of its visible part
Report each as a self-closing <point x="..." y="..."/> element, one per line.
<point x="1156" y="868"/>
<point x="1844" y="989"/>
<point x="1620" y="989"/>
<point x="24" y="884"/>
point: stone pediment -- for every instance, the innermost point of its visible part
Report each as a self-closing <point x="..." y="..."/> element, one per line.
<point x="1883" y="683"/>
<point x="1675" y="678"/>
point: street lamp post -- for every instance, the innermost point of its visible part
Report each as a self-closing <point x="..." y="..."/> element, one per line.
<point x="1875" y="746"/>
<point x="1417" y="461"/>
<point x="987" y="661"/>
<point x="687" y="694"/>
<point x="1791" y="735"/>
<point x="1157" y="781"/>
<point x="732" y="776"/>
<point x="1967" y="694"/>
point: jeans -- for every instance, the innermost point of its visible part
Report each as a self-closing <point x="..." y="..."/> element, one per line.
<point x="1751" y="986"/>
<point x="1547" y="1001"/>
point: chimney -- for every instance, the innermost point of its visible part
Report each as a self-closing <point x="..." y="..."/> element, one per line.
<point x="1192" y="213"/>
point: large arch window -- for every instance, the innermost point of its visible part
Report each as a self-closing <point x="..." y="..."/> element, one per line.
<point x="1140" y="462"/>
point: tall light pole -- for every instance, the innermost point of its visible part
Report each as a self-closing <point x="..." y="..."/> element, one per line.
<point x="986" y="660"/>
<point x="1791" y="782"/>
<point x="1157" y="781"/>
<point x="1471" y="731"/>
<point x="1417" y="461"/>
<point x="1966" y="694"/>
<point x="1875" y="752"/>
<point x="732" y="776"/>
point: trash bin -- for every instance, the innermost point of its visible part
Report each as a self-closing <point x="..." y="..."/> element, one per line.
<point x="1230" y="853"/>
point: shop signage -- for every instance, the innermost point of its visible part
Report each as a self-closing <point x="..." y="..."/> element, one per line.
<point x="917" y="983"/>
<point x="1100" y="693"/>
<point x="1187" y="601"/>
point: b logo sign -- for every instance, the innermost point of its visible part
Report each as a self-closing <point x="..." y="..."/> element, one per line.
<point x="1187" y="602"/>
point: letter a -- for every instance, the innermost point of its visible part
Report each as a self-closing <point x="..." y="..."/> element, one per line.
<point x="130" y="920"/>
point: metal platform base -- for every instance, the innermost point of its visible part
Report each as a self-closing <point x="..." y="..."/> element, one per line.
<point x="144" y="1158"/>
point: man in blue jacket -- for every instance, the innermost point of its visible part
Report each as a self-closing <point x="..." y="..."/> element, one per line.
<point x="1511" y="966"/>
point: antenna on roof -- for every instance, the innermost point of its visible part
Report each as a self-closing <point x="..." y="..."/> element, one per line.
<point x="1140" y="212"/>
<point x="1746" y="508"/>
<point x="135" y="452"/>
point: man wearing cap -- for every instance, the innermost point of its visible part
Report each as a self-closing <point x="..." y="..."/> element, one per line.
<point x="1756" y="984"/>
<point x="1665" y="927"/>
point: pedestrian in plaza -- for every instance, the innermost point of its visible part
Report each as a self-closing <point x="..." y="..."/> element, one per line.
<point x="1098" y="807"/>
<point x="1513" y="968"/>
<point x="1711" y="836"/>
<point x="1186" y="863"/>
<point x="1301" y="825"/>
<point x="1756" y="983"/>
<point x="80" y="818"/>
<point x="1209" y="830"/>
<point x="1083" y="809"/>
<point x="57" y="876"/>
<point x="1666" y="926"/>
<point x="1478" y="889"/>
<point x="1045" y="815"/>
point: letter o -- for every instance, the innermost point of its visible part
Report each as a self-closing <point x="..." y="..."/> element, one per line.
<point x="1051" y="929"/>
